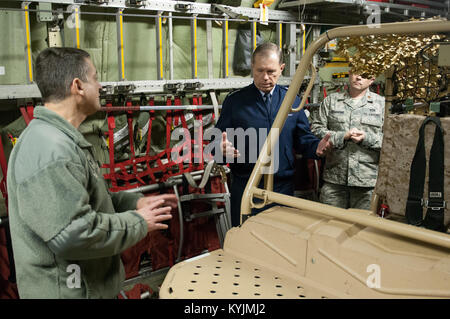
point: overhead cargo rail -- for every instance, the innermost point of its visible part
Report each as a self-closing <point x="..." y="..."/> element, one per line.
<point x="164" y="84"/>
<point x="9" y="92"/>
<point x="184" y="7"/>
<point x="422" y="8"/>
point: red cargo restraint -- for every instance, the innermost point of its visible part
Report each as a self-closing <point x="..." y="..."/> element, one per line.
<point x="125" y="175"/>
<point x="27" y="112"/>
<point x="199" y="234"/>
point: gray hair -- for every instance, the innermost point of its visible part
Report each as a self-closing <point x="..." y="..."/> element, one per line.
<point x="265" y="49"/>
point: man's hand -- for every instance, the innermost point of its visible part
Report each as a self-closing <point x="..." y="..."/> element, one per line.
<point x="169" y="200"/>
<point x="324" y="146"/>
<point x="355" y="135"/>
<point x="227" y="148"/>
<point x="155" y="214"/>
<point x="358" y="136"/>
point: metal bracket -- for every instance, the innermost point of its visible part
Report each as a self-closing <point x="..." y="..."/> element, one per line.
<point x="221" y="9"/>
<point x="45" y="13"/>
<point x="107" y="90"/>
<point x="135" y="3"/>
<point x="425" y="204"/>
<point x="193" y="86"/>
<point x="172" y="87"/>
<point x="124" y="89"/>
<point x="183" y="7"/>
<point x="91" y="1"/>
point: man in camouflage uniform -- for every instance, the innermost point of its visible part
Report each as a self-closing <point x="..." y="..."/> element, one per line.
<point x="355" y="120"/>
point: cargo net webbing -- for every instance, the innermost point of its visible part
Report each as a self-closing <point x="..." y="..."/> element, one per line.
<point x="140" y="170"/>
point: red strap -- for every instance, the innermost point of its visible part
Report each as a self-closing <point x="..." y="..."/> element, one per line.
<point x="168" y="126"/>
<point x="186" y="145"/>
<point x="3" y="164"/>
<point x="170" y="248"/>
<point x="151" y="102"/>
<point x="27" y="112"/>
<point x="111" y="127"/>
<point x="124" y="178"/>
<point x="197" y="143"/>
<point x="149" y="171"/>
<point x="130" y="129"/>
<point x="176" y="119"/>
<point x="131" y="139"/>
<point x="4" y="167"/>
<point x="30" y="110"/>
<point x="25" y="115"/>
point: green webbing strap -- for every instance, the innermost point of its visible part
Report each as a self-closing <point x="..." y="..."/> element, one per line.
<point x="435" y="203"/>
<point x="205" y="177"/>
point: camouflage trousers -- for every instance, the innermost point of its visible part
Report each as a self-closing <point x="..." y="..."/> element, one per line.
<point x="346" y="196"/>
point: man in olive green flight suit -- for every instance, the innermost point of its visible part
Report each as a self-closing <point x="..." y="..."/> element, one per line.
<point x="67" y="230"/>
<point x="355" y="120"/>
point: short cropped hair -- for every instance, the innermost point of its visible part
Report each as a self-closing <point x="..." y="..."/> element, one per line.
<point x="55" y="69"/>
<point x="267" y="48"/>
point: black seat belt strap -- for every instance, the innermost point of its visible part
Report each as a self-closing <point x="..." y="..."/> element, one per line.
<point x="435" y="203"/>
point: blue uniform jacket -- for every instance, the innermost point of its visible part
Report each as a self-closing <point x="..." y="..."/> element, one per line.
<point x="245" y="108"/>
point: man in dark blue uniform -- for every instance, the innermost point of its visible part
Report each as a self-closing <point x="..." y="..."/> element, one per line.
<point x="255" y="107"/>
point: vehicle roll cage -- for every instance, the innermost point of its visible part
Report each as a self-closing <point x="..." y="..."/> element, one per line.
<point x="263" y="164"/>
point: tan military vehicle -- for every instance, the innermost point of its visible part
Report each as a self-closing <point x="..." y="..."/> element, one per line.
<point x="304" y="249"/>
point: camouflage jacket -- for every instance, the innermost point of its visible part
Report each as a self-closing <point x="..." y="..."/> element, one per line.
<point x="350" y="163"/>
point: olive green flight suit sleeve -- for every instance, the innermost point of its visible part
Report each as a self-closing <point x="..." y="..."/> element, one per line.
<point x="125" y="201"/>
<point x="58" y="211"/>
